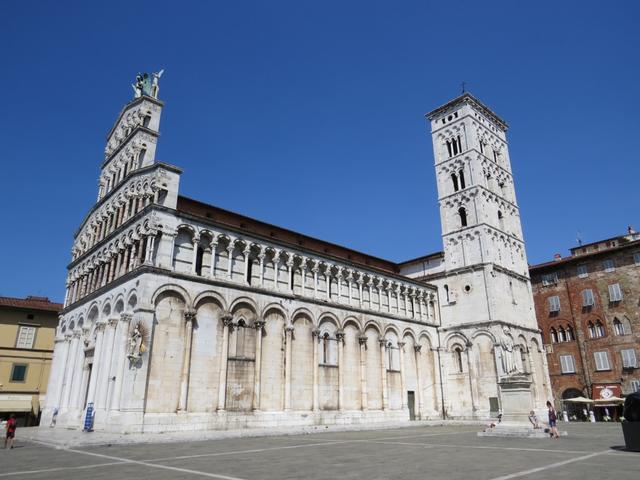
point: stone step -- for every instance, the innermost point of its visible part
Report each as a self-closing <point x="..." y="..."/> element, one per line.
<point x="521" y="432"/>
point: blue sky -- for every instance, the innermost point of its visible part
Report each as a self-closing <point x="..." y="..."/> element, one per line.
<point x="310" y="115"/>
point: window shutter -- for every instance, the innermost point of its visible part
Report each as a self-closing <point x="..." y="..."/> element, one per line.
<point x="587" y="298"/>
<point x="566" y="364"/>
<point x="554" y="304"/>
<point x="628" y="358"/>
<point x="26" y="335"/>
<point x="602" y="360"/>
<point x="615" y="294"/>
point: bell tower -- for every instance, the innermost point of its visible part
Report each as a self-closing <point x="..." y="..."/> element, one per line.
<point x="484" y="253"/>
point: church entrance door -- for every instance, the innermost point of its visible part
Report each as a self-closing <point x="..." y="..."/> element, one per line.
<point x="411" y="402"/>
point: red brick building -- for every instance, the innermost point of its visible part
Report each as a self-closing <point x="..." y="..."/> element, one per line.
<point x="588" y="308"/>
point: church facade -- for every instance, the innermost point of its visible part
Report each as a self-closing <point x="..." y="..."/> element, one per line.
<point x="181" y="315"/>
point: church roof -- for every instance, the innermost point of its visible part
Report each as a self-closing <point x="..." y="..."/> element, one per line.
<point x="236" y="221"/>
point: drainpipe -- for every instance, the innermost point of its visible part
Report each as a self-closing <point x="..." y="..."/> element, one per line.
<point x="586" y="376"/>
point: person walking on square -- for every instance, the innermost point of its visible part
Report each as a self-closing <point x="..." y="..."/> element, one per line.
<point x="11" y="431"/>
<point x="553" y="421"/>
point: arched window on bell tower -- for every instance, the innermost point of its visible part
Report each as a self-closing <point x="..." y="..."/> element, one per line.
<point x="463" y="216"/>
<point x="454" y="179"/>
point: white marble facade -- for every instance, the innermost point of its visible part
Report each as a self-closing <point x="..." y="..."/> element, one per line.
<point x="181" y="316"/>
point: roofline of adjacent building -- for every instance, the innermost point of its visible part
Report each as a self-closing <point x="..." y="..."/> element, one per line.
<point x="585" y="245"/>
<point x="25" y="305"/>
<point x="581" y="257"/>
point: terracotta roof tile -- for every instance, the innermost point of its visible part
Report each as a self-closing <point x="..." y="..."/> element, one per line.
<point x="31" y="302"/>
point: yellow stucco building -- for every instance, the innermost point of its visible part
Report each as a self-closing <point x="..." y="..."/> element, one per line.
<point x="27" y="332"/>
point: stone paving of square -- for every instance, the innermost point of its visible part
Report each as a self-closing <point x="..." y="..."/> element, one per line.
<point x="451" y="452"/>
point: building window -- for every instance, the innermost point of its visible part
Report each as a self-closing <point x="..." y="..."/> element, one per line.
<point x="615" y="294"/>
<point x="554" y="304"/>
<point x="461" y="176"/>
<point x="549" y="279"/>
<point x="454" y="146"/>
<point x="609" y="265"/>
<point x="602" y="360"/>
<point x="562" y="336"/>
<point x="329" y="350"/>
<point x="592" y="330"/>
<point x="463" y="216"/>
<point x="628" y="358"/>
<point x="587" y="298"/>
<point x="26" y="336"/>
<point x="636" y="258"/>
<point x="583" y="272"/>
<point x="18" y="372"/>
<point x="599" y="329"/>
<point x="554" y="335"/>
<point x="393" y="357"/>
<point x="567" y="364"/>
<point x="635" y="385"/>
<point x="570" y="336"/>
<point x="621" y="327"/>
<point x="457" y="353"/>
<point x="454" y="179"/>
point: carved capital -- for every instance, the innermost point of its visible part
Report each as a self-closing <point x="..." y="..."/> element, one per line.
<point x="417" y="348"/>
<point x="113" y="321"/>
<point x="382" y="341"/>
<point x="289" y="328"/>
<point x="315" y="333"/>
<point x="362" y="340"/>
<point x="125" y="317"/>
<point x="259" y="324"/>
<point x="227" y="319"/>
<point x="340" y="336"/>
<point x="190" y="316"/>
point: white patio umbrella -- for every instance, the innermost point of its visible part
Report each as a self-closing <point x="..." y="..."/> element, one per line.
<point x="578" y="400"/>
<point x="610" y="400"/>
